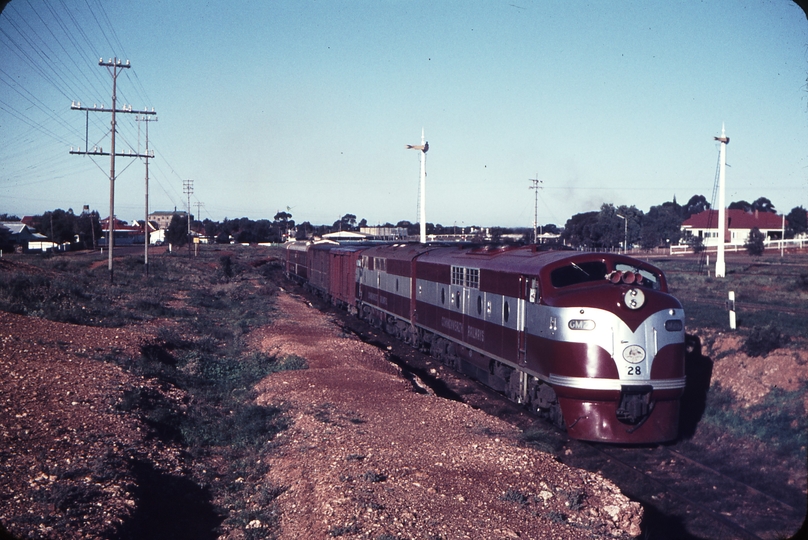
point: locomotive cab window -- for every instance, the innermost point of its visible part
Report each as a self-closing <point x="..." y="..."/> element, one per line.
<point x="645" y="277"/>
<point x="576" y="273"/>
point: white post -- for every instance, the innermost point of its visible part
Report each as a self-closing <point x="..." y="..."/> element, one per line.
<point x="423" y="147"/>
<point x="720" y="266"/>
<point x="731" y="307"/>
<point x="423" y="189"/>
<point x="782" y="235"/>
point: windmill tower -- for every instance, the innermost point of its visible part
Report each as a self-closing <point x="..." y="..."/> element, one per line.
<point x="720" y="265"/>
<point x="423" y="147"/>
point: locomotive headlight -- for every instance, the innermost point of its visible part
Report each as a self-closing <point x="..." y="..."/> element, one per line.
<point x="634" y="298"/>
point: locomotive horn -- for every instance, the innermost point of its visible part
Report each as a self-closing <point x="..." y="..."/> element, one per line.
<point x="628" y="278"/>
<point x="615" y="276"/>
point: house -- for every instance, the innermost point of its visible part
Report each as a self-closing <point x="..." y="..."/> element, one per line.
<point x="25" y="238"/>
<point x="125" y="234"/>
<point x="704" y="225"/>
<point x="156" y="234"/>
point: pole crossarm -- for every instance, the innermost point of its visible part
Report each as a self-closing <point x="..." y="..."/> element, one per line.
<point x="76" y="106"/>
<point x="100" y="152"/>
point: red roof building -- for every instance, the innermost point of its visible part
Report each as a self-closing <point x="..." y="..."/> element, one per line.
<point x="739" y="223"/>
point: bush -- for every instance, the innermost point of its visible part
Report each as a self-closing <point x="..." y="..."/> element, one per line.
<point x="763" y="340"/>
<point x="755" y="242"/>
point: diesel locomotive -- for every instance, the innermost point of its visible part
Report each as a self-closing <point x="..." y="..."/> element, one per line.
<point x="593" y="341"/>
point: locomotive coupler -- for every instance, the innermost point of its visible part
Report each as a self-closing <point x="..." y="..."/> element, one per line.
<point x="635" y="403"/>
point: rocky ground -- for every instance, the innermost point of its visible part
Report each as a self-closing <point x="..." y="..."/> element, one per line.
<point x="367" y="454"/>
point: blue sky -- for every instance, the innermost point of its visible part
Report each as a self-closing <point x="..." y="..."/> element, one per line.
<point x="308" y="105"/>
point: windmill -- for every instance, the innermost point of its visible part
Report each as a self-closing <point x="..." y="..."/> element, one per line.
<point x="424" y="148"/>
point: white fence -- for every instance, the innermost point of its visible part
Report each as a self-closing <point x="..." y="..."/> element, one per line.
<point x="794" y="243"/>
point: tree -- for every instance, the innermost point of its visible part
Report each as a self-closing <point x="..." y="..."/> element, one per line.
<point x="88" y="228"/>
<point x="763" y="204"/>
<point x="797" y="222"/>
<point x="755" y="242"/>
<point x="304" y="230"/>
<point x="740" y="205"/>
<point x="177" y="232"/>
<point x="6" y="245"/>
<point x="578" y="229"/>
<point x="696" y="205"/>
<point x="59" y="226"/>
<point x="661" y="226"/>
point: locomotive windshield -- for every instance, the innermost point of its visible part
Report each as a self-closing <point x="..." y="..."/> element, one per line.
<point x="573" y="274"/>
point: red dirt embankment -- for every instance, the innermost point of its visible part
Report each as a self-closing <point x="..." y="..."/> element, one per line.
<point x="367" y="456"/>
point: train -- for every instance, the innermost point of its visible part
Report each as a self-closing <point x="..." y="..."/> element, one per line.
<point x="592" y="341"/>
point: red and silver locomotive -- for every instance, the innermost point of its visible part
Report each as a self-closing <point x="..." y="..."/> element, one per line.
<point x="593" y="340"/>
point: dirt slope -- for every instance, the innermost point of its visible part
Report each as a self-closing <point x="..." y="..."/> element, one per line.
<point x="370" y="457"/>
<point x="366" y="455"/>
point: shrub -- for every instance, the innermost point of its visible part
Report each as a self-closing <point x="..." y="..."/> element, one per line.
<point x="763" y="340"/>
<point x="513" y="495"/>
<point x="374" y="477"/>
<point x="755" y="242"/>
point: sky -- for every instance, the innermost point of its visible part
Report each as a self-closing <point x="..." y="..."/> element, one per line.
<point x="306" y="106"/>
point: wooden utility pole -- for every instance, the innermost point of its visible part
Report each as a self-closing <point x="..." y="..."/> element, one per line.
<point x="146" y="235"/>
<point x="188" y="189"/>
<point x="114" y="67"/>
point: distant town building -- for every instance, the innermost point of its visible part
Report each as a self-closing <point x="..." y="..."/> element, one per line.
<point x="163" y="219"/>
<point x="384" y="233"/>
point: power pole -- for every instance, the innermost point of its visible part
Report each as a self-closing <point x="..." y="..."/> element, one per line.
<point x="114" y="66"/>
<point x="199" y="206"/>
<point x="188" y="189"/>
<point x="535" y="187"/>
<point x="146" y="234"/>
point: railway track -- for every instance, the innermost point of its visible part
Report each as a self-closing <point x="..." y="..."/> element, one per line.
<point x="683" y="498"/>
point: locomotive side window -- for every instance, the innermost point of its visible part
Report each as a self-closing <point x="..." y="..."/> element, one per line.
<point x="458" y="277"/>
<point x="573" y="274"/>
<point x="466" y="277"/>
<point x="473" y="278"/>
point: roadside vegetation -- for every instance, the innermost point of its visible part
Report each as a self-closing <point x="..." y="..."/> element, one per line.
<point x="769" y="433"/>
<point x="205" y="308"/>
